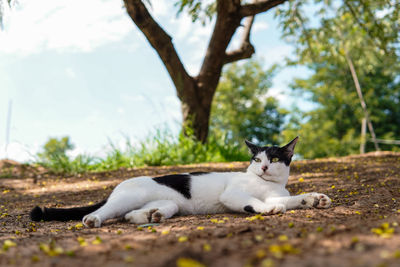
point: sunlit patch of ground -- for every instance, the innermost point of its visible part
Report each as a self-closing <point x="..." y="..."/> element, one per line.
<point x="361" y="229"/>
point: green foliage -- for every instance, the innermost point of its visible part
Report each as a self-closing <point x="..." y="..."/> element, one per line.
<point x="322" y="39"/>
<point x="197" y="10"/>
<point x="55" y="158"/>
<point x="242" y="108"/>
<point x="56" y="148"/>
<point x="160" y="150"/>
<point x="166" y="149"/>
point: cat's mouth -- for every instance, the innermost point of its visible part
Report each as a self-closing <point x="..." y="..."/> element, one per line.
<point x="267" y="177"/>
<point x="266" y="173"/>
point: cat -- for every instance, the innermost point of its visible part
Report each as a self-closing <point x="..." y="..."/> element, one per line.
<point x="261" y="189"/>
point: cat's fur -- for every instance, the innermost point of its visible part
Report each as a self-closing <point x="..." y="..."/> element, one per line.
<point x="144" y="199"/>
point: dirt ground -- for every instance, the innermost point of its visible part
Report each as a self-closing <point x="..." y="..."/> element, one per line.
<point x="361" y="229"/>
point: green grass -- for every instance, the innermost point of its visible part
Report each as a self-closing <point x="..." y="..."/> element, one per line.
<point x="160" y="150"/>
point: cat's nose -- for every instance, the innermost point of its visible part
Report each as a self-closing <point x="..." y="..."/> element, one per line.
<point x="264" y="168"/>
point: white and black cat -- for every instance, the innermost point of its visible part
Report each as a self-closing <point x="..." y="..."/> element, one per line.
<point x="144" y="199"/>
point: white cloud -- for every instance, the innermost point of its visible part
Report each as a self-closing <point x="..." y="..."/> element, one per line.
<point x="63" y="25"/>
<point x="275" y="54"/>
<point x="133" y="98"/>
<point x="173" y="107"/>
<point x="75" y="152"/>
<point x="183" y="26"/>
<point x="200" y="34"/>
<point x="70" y="73"/>
<point x="279" y="93"/>
<point x="259" y="26"/>
<point x="159" y="8"/>
<point x="18" y="152"/>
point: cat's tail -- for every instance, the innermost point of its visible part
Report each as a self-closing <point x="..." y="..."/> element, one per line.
<point x="54" y="214"/>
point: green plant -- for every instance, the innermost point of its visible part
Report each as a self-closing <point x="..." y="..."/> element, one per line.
<point x="164" y="148"/>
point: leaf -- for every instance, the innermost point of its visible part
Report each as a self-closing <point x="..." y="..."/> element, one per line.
<point x="128" y="259"/>
<point x="165" y="232"/>
<point x="8" y="244"/>
<point x="82" y="241"/>
<point x="97" y="241"/>
<point x="51" y="249"/>
<point x="182" y="239"/>
<point x="187" y="262"/>
<point x="207" y="247"/>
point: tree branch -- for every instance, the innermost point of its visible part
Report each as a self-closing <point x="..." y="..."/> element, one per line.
<point x="259" y="7"/>
<point x="227" y="21"/>
<point x="161" y="42"/>
<point x="246" y="49"/>
<point x="366" y="29"/>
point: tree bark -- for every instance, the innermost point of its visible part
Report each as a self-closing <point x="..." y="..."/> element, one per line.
<point x="196" y="93"/>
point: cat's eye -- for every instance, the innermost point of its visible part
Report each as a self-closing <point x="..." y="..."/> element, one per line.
<point x="257" y="160"/>
<point x="274" y="159"/>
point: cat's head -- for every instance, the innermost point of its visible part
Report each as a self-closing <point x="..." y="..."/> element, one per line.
<point x="271" y="163"/>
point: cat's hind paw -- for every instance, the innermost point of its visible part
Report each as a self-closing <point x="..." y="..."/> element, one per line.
<point x="274" y="209"/>
<point x="145" y="216"/>
<point x="156" y="216"/>
<point x="316" y="200"/>
<point x="91" y="221"/>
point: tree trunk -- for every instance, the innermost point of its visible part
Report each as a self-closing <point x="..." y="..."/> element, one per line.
<point x="196" y="109"/>
<point x="196" y="93"/>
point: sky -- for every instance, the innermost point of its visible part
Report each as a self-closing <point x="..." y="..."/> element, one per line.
<point x="82" y="69"/>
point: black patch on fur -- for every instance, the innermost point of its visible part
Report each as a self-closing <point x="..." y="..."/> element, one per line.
<point x="303" y="202"/>
<point x="249" y="208"/>
<point x="178" y="182"/>
<point x="54" y="214"/>
<point x="284" y="154"/>
<point x="274" y="152"/>
<point x="198" y="173"/>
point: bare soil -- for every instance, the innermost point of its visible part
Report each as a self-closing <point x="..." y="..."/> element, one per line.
<point x="360" y="229"/>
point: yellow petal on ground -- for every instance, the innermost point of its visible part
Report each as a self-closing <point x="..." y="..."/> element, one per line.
<point x="78" y="226"/>
<point x="165" y="232"/>
<point x="206" y="247"/>
<point x="283" y="238"/>
<point x="8" y="244"/>
<point x="183" y="239"/>
<point x="128" y="259"/>
<point x="82" y="241"/>
<point x="187" y="262"/>
<point x="97" y="241"/>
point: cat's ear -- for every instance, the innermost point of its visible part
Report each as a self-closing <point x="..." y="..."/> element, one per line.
<point x="254" y="149"/>
<point x="289" y="148"/>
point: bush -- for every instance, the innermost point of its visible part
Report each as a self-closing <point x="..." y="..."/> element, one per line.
<point x="160" y="150"/>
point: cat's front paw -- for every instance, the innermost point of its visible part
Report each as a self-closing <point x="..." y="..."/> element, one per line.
<point x="316" y="200"/>
<point x="91" y="221"/>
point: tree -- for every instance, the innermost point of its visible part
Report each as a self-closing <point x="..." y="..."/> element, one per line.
<point x="196" y="93"/>
<point x="351" y="32"/>
<point x="55" y="149"/>
<point x="241" y="108"/>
